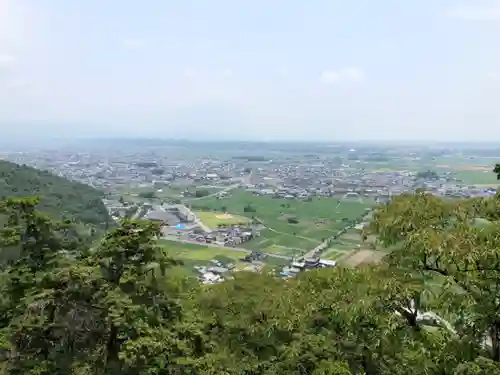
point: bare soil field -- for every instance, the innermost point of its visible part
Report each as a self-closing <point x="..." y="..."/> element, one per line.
<point x="363" y="257"/>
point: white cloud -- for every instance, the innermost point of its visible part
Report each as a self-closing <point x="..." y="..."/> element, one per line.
<point x="133" y="43"/>
<point x="475" y="12"/>
<point x="346" y="74"/>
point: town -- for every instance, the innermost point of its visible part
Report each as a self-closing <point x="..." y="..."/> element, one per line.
<point x="264" y="208"/>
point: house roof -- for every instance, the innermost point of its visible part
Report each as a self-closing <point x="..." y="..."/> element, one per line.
<point x="163" y="216"/>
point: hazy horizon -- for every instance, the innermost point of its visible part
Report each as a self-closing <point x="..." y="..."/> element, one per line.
<point x="56" y="141"/>
<point x="323" y="70"/>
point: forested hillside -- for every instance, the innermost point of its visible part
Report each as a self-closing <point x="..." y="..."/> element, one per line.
<point x="59" y="197"/>
<point x="431" y="308"/>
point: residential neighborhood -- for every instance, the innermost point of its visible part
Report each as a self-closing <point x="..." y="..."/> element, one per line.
<point x="193" y="192"/>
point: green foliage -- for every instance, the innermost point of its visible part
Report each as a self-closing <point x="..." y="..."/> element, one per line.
<point x="147" y="194"/>
<point x="122" y="307"/>
<point x="249" y="209"/>
<point x="428" y="175"/>
<point x="201" y="193"/>
<point x="59" y="197"/>
<point x="496" y="170"/>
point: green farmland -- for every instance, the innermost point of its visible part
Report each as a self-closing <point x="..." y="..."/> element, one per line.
<point x="317" y="219"/>
<point x="343" y="245"/>
<point x="199" y="255"/>
<point x="477" y="178"/>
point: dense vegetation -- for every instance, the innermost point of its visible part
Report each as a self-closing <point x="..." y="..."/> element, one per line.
<point x="428" y="175"/>
<point x="121" y="307"/>
<point x="60" y="198"/>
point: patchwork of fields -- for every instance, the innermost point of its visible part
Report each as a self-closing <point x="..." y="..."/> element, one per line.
<point x="344" y="245"/>
<point x="477" y="177"/>
<point x="199" y="255"/>
<point x="189" y="251"/>
<point x="478" y="173"/>
<point x="315" y="220"/>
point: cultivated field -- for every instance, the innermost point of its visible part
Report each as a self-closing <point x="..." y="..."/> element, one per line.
<point x="199" y="255"/>
<point x="350" y="250"/>
<point x="475" y="177"/>
<point x="478" y="173"/>
<point x="344" y="245"/>
<point x="193" y="252"/>
<point x="363" y="257"/>
<point x="214" y="219"/>
<point x="317" y="219"/>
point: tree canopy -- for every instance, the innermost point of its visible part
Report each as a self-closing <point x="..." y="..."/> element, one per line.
<point x="431" y="307"/>
<point x="59" y="197"/>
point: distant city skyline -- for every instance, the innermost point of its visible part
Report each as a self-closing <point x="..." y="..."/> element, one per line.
<point x="326" y="70"/>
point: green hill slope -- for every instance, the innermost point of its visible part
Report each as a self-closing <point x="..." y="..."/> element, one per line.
<point x="59" y="197"/>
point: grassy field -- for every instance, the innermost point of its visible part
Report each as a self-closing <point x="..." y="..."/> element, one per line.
<point x="213" y="219"/>
<point x="187" y="251"/>
<point x="199" y="255"/>
<point x="318" y="219"/>
<point x="477" y="177"/>
<point x="471" y="172"/>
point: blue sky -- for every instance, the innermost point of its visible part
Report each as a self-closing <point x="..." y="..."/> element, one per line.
<point x="280" y="69"/>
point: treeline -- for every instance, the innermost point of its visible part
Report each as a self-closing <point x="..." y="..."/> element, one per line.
<point x="123" y="307"/>
<point x="251" y="157"/>
<point x="59" y="197"/>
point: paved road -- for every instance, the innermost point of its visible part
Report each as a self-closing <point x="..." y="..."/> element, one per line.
<point x="240" y="249"/>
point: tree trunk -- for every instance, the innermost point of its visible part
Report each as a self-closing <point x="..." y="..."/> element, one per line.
<point x="112" y="348"/>
<point x="495" y="341"/>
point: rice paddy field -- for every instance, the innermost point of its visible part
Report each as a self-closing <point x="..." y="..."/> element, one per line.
<point x="477" y="177"/>
<point x="317" y="219"/>
<point x="345" y="244"/>
<point x="199" y="255"/>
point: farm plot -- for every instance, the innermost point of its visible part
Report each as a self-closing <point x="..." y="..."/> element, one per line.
<point x="293" y="223"/>
<point x="199" y="253"/>
<point x="342" y="246"/>
<point x="216" y="219"/>
<point x="363" y="257"/>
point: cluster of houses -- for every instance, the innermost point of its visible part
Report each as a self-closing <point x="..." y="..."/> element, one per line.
<point x="218" y="271"/>
<point x="228" y="236"/>
<point x="306" y="264"/>
<point x="345" y="181"/>
<point x="215" y="273"/>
